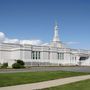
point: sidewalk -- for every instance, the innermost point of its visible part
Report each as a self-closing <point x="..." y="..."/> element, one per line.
<point x="46" y="84"/>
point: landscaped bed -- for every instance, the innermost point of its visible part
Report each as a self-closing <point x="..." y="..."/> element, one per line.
<point x="8" y="79"/>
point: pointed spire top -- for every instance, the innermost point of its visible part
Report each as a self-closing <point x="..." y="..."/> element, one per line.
<point x="56" y="36"/>
<point x="56" y="25"/>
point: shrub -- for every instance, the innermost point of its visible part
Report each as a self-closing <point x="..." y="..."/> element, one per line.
<point x="4" y="65"/>
<point x="19" y="64"/>
<point x="22" y="66"/>
<point x="16" y="65"/>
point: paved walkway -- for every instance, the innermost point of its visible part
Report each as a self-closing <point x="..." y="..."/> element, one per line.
<point x="47" y="84"/>
<point x="37" y="69"/>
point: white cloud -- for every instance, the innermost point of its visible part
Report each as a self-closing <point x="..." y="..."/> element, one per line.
<point x="32" y="42"/>
<point x="45" y="44"/>
<point x="16" y="41"/>
<point x="2" y="37"/>
<point x="71" y="42"/>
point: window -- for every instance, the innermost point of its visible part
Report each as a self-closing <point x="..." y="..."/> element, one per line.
<point x="35" y="54"/>
<point x="39" y="55"/>
<point x="48" y="55"/>
<point x="60" y="56"/>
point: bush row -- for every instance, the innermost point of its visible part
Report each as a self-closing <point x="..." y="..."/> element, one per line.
<point x="17" y="65"/>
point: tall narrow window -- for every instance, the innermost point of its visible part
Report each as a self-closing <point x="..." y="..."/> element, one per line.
<point x="35" y="54"/>
<point x="60" y="56"/>
<point x="48" y="55"/>
<point x="39" y="55"/>
<point x="33" y="57"/>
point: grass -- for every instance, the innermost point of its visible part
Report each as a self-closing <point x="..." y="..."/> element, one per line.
<point x="81" y="85"/>
<point x="9" y="79"/>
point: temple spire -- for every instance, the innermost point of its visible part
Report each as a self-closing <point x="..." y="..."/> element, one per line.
<point x="56" y="36"/>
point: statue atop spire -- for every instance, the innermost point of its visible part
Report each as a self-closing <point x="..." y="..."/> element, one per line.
<point x="56" y="36"/>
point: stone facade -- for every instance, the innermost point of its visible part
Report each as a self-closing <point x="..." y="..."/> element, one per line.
<point x="54" y="54"/>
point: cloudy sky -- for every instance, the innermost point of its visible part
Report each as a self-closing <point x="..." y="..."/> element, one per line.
<point x="32" y="21"/>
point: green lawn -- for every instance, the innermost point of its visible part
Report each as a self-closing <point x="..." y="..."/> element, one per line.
<point x="8" y="79"/>
<point x="81" y="85"/>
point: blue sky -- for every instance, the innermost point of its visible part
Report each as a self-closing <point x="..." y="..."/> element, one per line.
<point x="35" y="19"/>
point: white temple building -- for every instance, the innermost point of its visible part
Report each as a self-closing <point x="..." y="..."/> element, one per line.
<point x="54" y="54"/>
